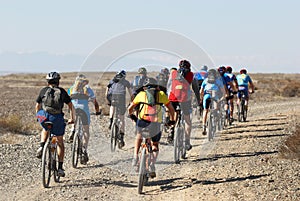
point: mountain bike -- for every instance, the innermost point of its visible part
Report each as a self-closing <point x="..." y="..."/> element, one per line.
<point x="241" y="109"/>
<point x="145" y="158"/>
<point x="179" y="137"/>
<point x="116" y="125"/>
<point x="214" y="119"/>
<point x="49" y="157"/>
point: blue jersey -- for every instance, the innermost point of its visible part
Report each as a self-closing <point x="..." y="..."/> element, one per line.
<point x="243" y="79"/>
<point x="201" y="75"/>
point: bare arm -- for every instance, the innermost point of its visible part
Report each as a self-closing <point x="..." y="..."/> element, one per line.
<point x="38" y="106"/>
<point x="72" y="113"/>
<point x="131" y="108"/>
<point x="252" y="86"/>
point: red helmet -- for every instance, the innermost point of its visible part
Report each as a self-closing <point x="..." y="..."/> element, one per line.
<point x="229" y="69"/>
<point x="243" y="71"/>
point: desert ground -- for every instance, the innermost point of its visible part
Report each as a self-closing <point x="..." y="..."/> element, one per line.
<point x="253" y="160"/>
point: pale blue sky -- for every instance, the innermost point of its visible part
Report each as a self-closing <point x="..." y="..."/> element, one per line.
<point x="260" y="35"/>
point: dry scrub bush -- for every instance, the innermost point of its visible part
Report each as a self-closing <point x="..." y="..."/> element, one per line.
<point x="13" y="123"/>
<point x="290" y="149"/>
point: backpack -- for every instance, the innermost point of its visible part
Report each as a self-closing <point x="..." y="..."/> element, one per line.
<point x="179" y="87"/>
<point x="152" y="107"/>
<point x="51" y="101"/>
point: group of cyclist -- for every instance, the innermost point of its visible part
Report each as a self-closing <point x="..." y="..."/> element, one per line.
<point x="170" y="91"/>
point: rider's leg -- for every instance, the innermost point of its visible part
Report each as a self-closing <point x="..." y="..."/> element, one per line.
<point x="137" y="144"/>
<point x="111" y="114"/>
<point x="231" y="107"/>
<point x="86" y="136"/>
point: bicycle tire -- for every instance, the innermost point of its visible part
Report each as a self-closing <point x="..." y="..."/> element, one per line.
<point x="75" y="151"/>
<point x="183" y="143"/>
<point x="239" y="113"/>
<point x="142" y="171"/>
<point x="210" y="127"/>
<point x="244" y="113"/>
<point x="113" y="137"/>
<point x="55" y="166"/>
<point x="46" y="165"/>
<point x="177" y="144"/>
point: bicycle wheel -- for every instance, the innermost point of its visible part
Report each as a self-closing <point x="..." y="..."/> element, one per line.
<point x="244" y="112"/>
<point x="177" y="144"/>
<point x="239" y="108"/>
<point x="210" y="127"/>
<point x="55" y="166"/>
<point x="46" y="165"/>
<point x="142" y="171"/>
<point x="114" y="136"/>
<point x="75" y="151"/>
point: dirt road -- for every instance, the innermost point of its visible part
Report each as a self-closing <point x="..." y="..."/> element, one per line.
<point x="242" y="163"/>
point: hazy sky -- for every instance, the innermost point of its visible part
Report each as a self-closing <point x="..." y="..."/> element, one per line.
<point x="261" y="35"/>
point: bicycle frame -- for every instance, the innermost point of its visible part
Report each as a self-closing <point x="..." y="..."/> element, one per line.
<point x="242" y="113"/>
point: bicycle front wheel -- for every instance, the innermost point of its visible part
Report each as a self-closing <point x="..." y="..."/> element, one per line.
<point x="142" y="171"/>
<point x="46" y="165"/>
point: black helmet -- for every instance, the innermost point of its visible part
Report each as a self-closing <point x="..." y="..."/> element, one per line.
<point x="142" y="70"/>
<point x="150" y="82"/>
<point x="52" y="76"/>
<point x="185" y="64"/>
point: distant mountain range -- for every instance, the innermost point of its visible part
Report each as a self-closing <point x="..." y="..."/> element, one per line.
<point x="38" y="62"/>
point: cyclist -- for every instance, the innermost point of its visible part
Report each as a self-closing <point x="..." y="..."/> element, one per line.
<point x="149" y="115"/>
<point x="81" y="94"/>
<point x="243" y="79"/>
<point x="116" y="92"/>
<point x="180" y="95"/>
<point x="213" y="83"/>
<point x="49" y="105"/>
<point x="162" y="79"/>
<point x="137" y="83"/>
<point x="233" y="79"/>
<point x="196" y="84"/>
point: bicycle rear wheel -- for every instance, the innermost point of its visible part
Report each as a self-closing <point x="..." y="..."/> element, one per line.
<point x="142" y="171"/>
<point x="210" y="127"/>
<point x="46" y="165"/>
<point x="76" y="150"/>
<point x="55" y="166"/>
<point x="114" y="136"/>
<point x="244" y="112"/>
<point x="239" y="109"/>
<point x="177" y="144"/>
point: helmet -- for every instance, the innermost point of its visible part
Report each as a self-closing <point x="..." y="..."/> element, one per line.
<point x="185" y="64"/>
<point x="142" y="70"/>
<point x="243" y="71"/>
<point x="82" y="78"/>
<point x="149" y="81"/>
<point x="211" y="76"/>
<point x="229" y="69"/>
<point x="222" y="70"/>
<point x="165" y="71"/>
<point x="204" y="68"/>
<point x="53" y="76"/>
<point x="122" y="73"/>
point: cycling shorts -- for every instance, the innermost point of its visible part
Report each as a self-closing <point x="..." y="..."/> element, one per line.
<point x="184" y="106"/>
<point x="84" y="118"/>
<point x="207" y="100"/>
<point x="58" y="121"/>
<point x="118" y="100"/>
<point x="245" y="90"/>
<point x="154" y="129"/>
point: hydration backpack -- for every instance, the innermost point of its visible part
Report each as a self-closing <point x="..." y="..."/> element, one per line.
<point x="179" y="87"/>
<point x="51" y="101"/>
<point x="152" y="107"/>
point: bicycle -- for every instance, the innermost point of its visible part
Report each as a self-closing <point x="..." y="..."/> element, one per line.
<point x="115" y="128"/>
<point x="145" y="158"/>
<point x="241" y="109"/>
<point x="179" y="137"/>
<point x="49" y="157"/>
<point x="214" y="119"/>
